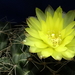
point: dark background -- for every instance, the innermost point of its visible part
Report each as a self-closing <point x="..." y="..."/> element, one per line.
<point x="19" y="10"/>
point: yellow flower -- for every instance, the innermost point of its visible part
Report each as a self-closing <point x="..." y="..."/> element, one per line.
<point x="51" y="34"/>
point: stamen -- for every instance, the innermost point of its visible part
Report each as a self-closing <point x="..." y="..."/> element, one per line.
<point x="55" y="39"/>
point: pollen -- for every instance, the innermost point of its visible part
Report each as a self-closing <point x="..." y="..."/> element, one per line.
<point x="55" y="39"/>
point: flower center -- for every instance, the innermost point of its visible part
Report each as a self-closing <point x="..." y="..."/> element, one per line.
<point x="55" y="39"/>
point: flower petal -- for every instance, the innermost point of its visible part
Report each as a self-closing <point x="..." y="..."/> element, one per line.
<point x="70" y="26"/>
<point x="58" y="13"/>
<point x="69" y="17"/>
<point x="58" y="24"/>
<point x="67" y="40"/>
<point x="45" y="38"/>
<point x="49" y="21"/>
<point x="45" y="53"/>
<point x="72" y="43"/>
<point x="40" y="14"/>
<point x="57" y="55"/>
<point x="65" y="34"/>
<point x="61" y="49"/>
<point x="33" y="32"/>
<point x="34" y="49"/>
<point x="68" y="54"/>
<point x="50" y="10"/>
<point x="44" y="26"/>
<point x="35" y="42"/>
<point x="58" y="20"/>
<point x="34" y="23"/>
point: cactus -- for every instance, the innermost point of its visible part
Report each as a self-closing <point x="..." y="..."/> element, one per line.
<point x="5" y="63"/>
<point x="15" y="58"/>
